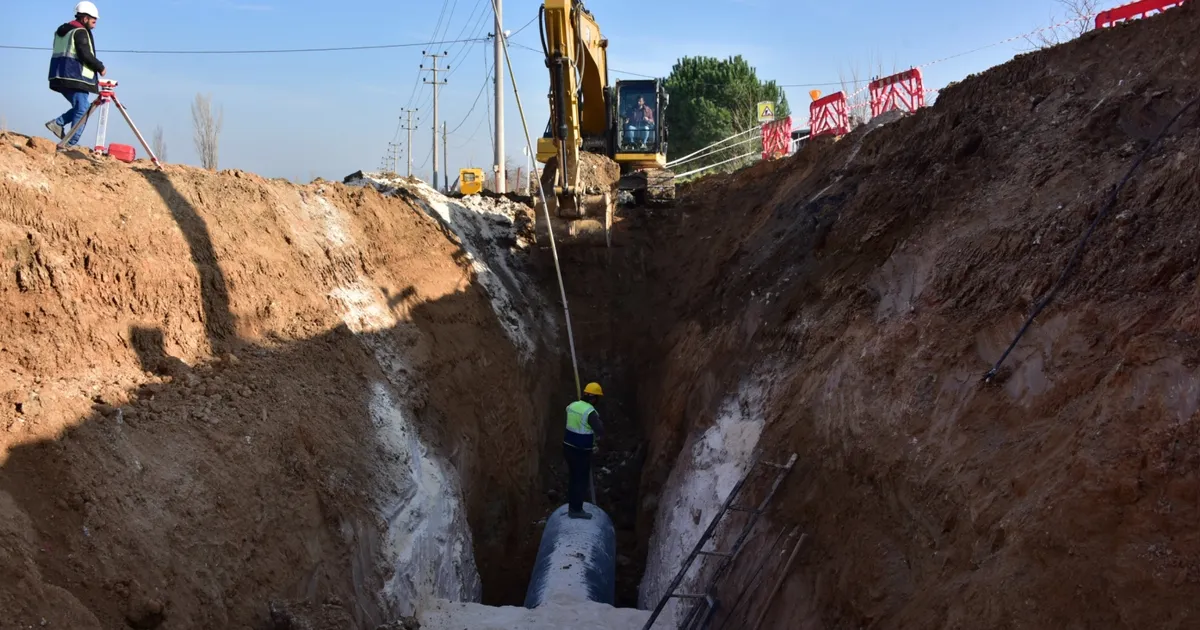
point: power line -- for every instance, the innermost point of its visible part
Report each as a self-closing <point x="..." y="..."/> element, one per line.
<point x="467" y="24"/>
<point x="252" y="52"/>
<point x="417" y="80"/>
<point x="532" y="49"/>
<point x="529" y="48"/>
<point x="632" y="74"/>
<point x="426" y="159"/>
<point x="478" y="126"/>
<point x="453" y="6"/>
<point x="486" y="80"/>
<point x="647" y="76"/>
<point x="472" y="22"/>
<point x="399" y="126"/>
<point x="518" y="31"/>
<point x="476" y="29"/>
<point x="438" y="26"/>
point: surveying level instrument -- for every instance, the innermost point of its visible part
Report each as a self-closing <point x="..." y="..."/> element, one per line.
<point x="108" y="94"/>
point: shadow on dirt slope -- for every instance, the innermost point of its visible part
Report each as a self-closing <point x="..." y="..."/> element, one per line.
<point x="250" y="480"/>
<point x="254" y="488"/>
<point x="218" y="320"/>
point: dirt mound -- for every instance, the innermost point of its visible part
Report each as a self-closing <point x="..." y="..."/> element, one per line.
<point x="597" y="174"/>
<point x="228" y="400"/>
<point x="862" y="288"/>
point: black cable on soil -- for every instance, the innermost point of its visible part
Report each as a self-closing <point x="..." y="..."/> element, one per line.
<point x="1075" y="256"/>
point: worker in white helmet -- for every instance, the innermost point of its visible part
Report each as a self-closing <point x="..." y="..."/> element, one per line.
<point x="74" y="69"/>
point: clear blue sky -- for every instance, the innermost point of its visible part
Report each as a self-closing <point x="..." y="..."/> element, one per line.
<point x="328" y="114"/>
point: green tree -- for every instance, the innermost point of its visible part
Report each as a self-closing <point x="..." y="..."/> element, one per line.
<point x="712" y="99"/>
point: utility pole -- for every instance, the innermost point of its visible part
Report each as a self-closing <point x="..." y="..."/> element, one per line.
<point x="499" y="72"/>
<point x="409" y="127"/>
<point x="445" y="154"/>
<point x="395" y="150"/>
<point x="435" y="83"/>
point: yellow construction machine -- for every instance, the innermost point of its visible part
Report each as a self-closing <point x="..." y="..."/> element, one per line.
<point x="470" y="181"/>
<point x="602" y="140"/>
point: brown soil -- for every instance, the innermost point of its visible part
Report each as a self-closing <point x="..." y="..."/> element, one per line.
<point x="596" y="172"/>
<point x="884" y="273"/>
<point x="187" y="444"/>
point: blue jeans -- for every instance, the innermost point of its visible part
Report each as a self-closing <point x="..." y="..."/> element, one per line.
<point x="639" y="134"/>
<point x="79" y="105"/>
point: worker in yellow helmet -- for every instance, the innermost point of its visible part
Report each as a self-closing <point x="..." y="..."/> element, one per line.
<point x="583" y="423"/>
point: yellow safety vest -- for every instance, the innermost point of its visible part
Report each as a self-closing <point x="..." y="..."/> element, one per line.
<point x="65" y="65"/>
<point x="577" y="417"/>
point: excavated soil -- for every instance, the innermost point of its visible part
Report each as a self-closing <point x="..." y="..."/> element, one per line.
<point x="191" y="371"/>
<point x="191" y="444"/>
<point x="867" y="285"/>
<point x="596" y="172"/>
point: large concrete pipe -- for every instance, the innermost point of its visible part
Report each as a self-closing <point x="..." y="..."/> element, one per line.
<point x="576" y="561"/>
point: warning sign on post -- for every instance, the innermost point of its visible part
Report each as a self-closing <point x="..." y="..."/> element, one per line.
<point x="766" y="111"/>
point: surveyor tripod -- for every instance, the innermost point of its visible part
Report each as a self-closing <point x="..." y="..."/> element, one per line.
<point x="108" y="94"/>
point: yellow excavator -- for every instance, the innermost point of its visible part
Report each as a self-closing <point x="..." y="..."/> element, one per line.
<point x="604" y="143"/>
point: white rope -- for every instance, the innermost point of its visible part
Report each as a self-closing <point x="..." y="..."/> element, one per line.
<point x="714" y="151"/>
<point x="546" y="208"/>
<point x="705" y="168"/>
<point x="717" y="143"/>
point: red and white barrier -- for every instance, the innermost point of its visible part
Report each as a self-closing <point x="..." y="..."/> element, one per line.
<point x="828" y="115"/>
<point x="904" y="91"/>
<point x="1139" y="9"/>
<point x="776" y="138"/>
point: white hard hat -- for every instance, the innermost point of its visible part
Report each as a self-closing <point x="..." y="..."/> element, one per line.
<point x="87" y="8"/>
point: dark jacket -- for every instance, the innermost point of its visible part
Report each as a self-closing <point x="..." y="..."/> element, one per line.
<point x="641" y="115"/>
<point x="66" y="74"/>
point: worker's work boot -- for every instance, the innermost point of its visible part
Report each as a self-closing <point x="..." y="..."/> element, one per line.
<point x="56" y="129"/>
<point x="580" y="514"/>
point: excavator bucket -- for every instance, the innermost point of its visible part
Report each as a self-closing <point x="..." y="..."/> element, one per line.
<point x="582" y="214"/>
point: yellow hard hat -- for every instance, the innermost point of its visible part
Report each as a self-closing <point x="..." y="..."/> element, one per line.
<point x="593" y="389"/>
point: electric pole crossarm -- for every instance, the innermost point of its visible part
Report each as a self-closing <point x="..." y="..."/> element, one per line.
<point x="435" y="83"/>
<point x="409" y="128"/>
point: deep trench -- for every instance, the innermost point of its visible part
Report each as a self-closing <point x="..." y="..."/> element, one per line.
<point x="603" y="287"/>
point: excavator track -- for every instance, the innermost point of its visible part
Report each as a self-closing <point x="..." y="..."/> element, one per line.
<point x="651" y="186"/>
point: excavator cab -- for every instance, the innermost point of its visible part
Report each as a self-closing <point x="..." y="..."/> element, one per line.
<point x="637" y="116"/>
<point x="639" y="139"/>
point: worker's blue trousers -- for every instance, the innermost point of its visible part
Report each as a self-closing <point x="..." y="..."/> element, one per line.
<point x="579" y="467"/>
<point x="79" y="105"/>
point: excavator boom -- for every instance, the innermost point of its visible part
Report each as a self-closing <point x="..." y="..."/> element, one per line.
<point x="582" y="198"/>
<point x="600" y="138"/>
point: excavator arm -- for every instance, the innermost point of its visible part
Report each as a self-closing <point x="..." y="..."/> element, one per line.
<point x="579" y="180"/>
<point x="576" y="55"/>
